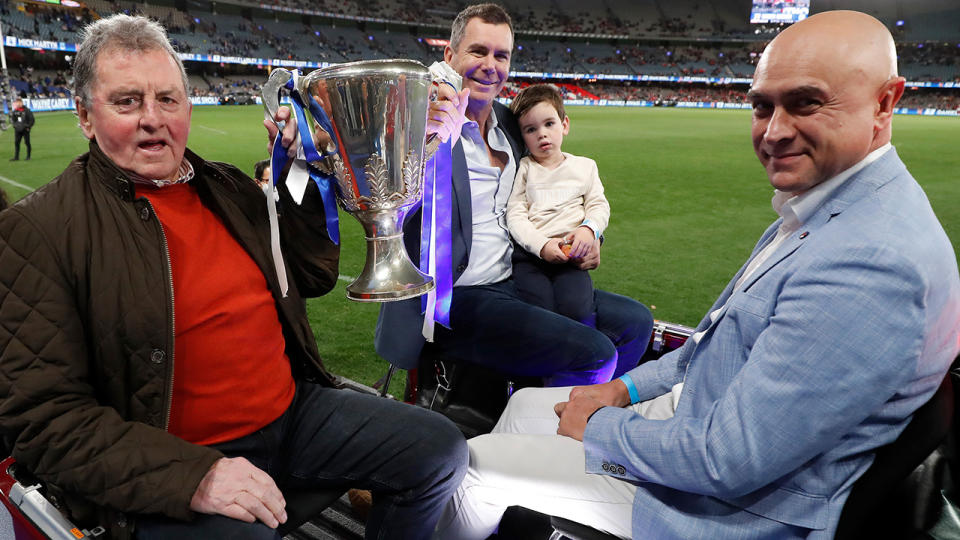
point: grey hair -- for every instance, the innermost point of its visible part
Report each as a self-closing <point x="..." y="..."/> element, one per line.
<point x="488" y="13"/>
<point x="123" y="32"/>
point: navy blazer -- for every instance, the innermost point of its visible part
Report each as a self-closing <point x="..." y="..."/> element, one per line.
<point x="398" y="337"/>
<point x="820" y="357"/>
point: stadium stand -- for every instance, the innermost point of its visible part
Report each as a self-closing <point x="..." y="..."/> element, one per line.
<point x="680" y="38"/>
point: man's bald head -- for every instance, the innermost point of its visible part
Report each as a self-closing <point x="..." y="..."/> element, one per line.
<point x="823" y="95"/>
<point x="848" y="42"/>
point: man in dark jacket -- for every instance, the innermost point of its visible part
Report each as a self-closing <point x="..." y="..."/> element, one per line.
<point x="22" y="120"/>
<point x="155" y="392"/>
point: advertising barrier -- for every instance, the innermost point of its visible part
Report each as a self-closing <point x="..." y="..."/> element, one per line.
<point x="717" y="105"/>
<point x="55" y="104"/>
<point x="65" y="104"/>
<point x="62" y="104"/>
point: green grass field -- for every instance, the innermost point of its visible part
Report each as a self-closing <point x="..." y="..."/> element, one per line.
<point x="688" y="198"/>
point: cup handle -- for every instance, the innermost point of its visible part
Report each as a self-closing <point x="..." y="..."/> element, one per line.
<point x="270" y="93"/>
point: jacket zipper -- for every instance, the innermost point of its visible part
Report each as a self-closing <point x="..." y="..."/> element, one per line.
<point x="171" y="343"/>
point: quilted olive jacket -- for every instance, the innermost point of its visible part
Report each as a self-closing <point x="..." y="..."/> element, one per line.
<point x="87" y="335"/>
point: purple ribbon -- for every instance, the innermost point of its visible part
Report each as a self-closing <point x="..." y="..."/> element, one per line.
<point x="438" y="208"/>
<point x="324" y="182"/>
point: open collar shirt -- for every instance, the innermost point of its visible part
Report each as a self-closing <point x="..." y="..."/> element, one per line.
<point x="795" y="211"/>
<point x="490" y="248"/>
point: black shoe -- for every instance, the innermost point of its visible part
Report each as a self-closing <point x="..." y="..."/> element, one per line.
<point x="28" y="158"/>
<point x="14" y="159"/>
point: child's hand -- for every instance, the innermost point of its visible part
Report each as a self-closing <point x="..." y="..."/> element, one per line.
<point x="552" y="251"/>
<point x="581" y="241"/>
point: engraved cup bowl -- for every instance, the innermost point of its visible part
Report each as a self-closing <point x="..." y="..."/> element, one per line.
<point x="377" y="113"/>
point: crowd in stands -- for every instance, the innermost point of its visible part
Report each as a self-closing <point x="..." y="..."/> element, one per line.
<point x="323" y="41"/>
<point x="928" y="60"/>
<point x="435" y="12"/>
<point x="665" y="94"/>
<point x="42" y="21"/>
<point x="28" y="83"/>
<point x="694" y="60"/>
<point x="68" y="20"/>
<point x="701" y="22"/>
<point x="221" y="87"/>
<point x="557" y="21"/>
<point x="612" y="23"/>
<point x="931" y="99"/>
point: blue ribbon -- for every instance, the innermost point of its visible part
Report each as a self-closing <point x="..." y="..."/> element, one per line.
<point x="438" y="202"/>
<point x="324" y="182"/>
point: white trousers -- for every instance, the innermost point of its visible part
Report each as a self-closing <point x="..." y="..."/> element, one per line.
<point x="524" y="462"/>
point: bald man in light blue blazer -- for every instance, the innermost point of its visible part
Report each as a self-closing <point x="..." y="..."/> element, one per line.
<point x="841" y="324"/>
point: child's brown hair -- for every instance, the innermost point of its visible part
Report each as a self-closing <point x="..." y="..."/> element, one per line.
<point x="538" y="93"/>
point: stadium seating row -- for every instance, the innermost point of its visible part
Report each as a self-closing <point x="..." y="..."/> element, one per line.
<point x="242" y="29"/>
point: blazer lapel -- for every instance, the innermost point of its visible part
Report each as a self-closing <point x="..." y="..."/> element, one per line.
<point x="855" y="188"/>
<point x="509" y="126"/>
<point x="461" y="194"/>
<point x="765" y="238"/>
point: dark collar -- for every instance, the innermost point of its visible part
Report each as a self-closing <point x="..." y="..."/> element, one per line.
<point x="101" y="168"/>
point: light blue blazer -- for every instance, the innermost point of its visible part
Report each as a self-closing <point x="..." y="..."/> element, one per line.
<point x="820" y="357"/>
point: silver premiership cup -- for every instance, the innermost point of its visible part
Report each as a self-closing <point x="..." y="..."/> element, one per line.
<point x="377" y="110"/>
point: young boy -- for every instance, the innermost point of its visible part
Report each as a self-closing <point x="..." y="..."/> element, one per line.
<point x="556" y="211"/>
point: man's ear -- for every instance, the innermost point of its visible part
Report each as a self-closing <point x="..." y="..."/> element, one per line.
<point x="890" y="94"/>
<point x="447" y="53"/>
<point x="83" y="116"/>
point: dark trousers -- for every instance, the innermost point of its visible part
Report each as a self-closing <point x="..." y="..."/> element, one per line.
<point x="17" y="135"/>
<point x="411" y="458"/>
<point x="497" y="329"/>
<point x="560" y="288"/>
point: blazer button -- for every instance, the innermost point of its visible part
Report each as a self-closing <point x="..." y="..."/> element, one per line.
<point x="620" y="470"/>
<point x="461" y="268"/>
<point x="606" y="466"/>
<point x="157" y="356"/>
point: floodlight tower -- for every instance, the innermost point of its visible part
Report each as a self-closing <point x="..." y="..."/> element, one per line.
<point x="4" y="84"/>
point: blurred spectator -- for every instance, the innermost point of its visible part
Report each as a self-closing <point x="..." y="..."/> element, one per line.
<point x="22" y="119"/>
<point x="261" y="172"/>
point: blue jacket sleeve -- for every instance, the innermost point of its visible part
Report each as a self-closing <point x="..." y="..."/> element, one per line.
<point x="844" y="337"/>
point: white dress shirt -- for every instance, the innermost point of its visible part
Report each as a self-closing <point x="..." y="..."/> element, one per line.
<point x="490" y="248"/>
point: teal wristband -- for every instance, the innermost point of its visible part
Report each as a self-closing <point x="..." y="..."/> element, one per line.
<point x="632" y="388"/>
<point x="589" y="224"/>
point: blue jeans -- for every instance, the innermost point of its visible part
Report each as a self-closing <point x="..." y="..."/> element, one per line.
<point x="410" y="458"/>
<point x="497" y="329"/>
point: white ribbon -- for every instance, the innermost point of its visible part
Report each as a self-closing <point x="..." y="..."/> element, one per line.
<point x="270" y="194"/>
<point x="430" y="312"/>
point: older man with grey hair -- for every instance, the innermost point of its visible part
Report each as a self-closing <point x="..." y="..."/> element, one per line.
<point x="154" y="393"/>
